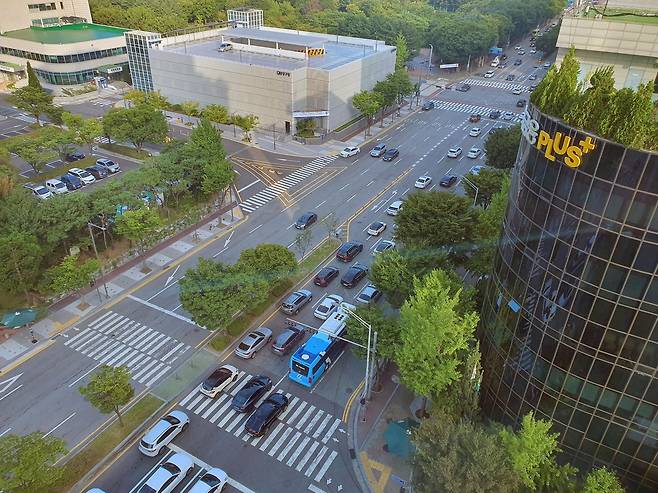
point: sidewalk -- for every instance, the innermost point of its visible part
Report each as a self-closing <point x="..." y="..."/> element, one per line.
<point x="18" y="345"/>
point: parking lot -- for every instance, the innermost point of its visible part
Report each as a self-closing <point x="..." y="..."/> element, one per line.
<point x="13" y="123"/>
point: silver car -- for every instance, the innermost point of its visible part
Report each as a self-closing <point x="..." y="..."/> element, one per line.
<point x="296" y="301"/>
<point x="253" y="342"/>
<point x="163" y="432"/>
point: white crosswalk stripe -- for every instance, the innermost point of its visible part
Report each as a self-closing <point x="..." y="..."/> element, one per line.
<point x="273" y="191"/>
<point x="299" y="439"/>
<point x="508" y="85"/>
<point x="469" y="108"/>
<point x="115" y="340"/>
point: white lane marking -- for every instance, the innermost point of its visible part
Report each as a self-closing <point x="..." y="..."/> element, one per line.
<point x="5" y="432"/>
<point x="290" y="445"/>
<point x="351" y="198"/>
<point x="290" y="226"/>
<point x="173" y="274"/>
<point x="214" y="406"/>
<point x="307" y="414"/>
<point x="316" y="461"/>
<point x="314" y="489"/>
<point x="188" y="397"/>
<point x="163" y="310"/>
<point x="11" y="392"/>
<point x="298" y="451"/>
<point x="219" y="413"/>
<point x="273" y="434"/>
<point x="280" y="442"/>
<point x="325" y="466"/>
<point x="321" y="203"/>
<point x="60" y="424"/>
<point x="314" y="421"/>
<point x="364" y="171"/>
<point x="219" y="253"/>
<point x="248" y="186"/>
<point x="327" y="435"/>
<point x="324" y="423"/>
<point x="371" y="182"/>
<point x="307" y="456"/>
<point x="81" y="377"/>
<point x="344" y="187"/>
<point x="256" y="228"/>
<point x="299" y="410"/>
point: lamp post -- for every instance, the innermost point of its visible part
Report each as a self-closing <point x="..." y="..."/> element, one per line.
<point x="475" y="199"/>
<point x="429" y="62"/>
<point x="93" y="243"/>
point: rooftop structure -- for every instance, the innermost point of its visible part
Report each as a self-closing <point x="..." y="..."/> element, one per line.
<point x="19" y="14"/>
<point x="245" y="17"/>
<point x="66" y="33"/>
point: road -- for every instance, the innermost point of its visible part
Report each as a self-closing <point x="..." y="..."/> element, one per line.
<point x="149" y="331"/>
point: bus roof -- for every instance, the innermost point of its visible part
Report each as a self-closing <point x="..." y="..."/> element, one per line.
<point x="312" y="348"/>
<point x="335" y="323"/>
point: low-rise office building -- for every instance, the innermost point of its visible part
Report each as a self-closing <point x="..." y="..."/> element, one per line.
<point x="278" y="75"/>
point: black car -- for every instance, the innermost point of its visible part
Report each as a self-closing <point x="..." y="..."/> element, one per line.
<point x="495" y="114"/>
<point x="325" y="276"/>
<point x="428" y="105"/>
<point x="518" y="61"/>
<point x="305" y="220"/>
<point x="287" y="340"/>
<point x="71" y="182"/>
<point x="353" y="275"/>
<point x="463" y="88"/>
<point x="521" y="103"/>
<point x="448" y="181"/>
<point x="391" y="154"/>
<point x="263" y="417"/>
<point x="249" y="395"/>
<point x="510" y="77"/>
<point x="97" y="171"/>
<point x="349" y="250"/>
<point x="74" y="156"/>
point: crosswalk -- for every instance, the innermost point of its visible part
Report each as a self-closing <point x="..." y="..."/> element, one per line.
<point x="102" y="140"/>
<point x="508" y="86"/>
<point x="115" y="340"/>
<point x="282" y="186"/>
<point x="300" y="439"/>
<point x="468" y="108"/>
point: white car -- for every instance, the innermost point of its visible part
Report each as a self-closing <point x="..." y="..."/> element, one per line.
<point x="395" y="208"/>
<point x="163" y="432"/>
<point x="547" y="65"/>
<point x="454" y="152"/>
<point x="474" y="152"/>
<point x="383" y="246"/>
<point x="350" y="151"/>
<point x="517" y="91"/>
<point x="39" y="191"/>
<point x="475" y="170"/>
<point x="213" y="481"/>
<point x="376" y="228"/>
<point x="218" y="380"/>
<point x="328" y="306"/>
<point x="533" y="51"/>
<point x="56" y="186"/>
<point x="169" y="474"/>
<point x="84" y="176"/>
<point x="517" y="47"/>
<point x="253" y="342"/>
<point x="475" y="132"/>
<point x="423" y="182"/>
<point x="508" y="115"/>
<point x="488" y="74"/>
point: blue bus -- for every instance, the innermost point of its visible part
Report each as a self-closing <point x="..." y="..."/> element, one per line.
<point x="317" y="354"/>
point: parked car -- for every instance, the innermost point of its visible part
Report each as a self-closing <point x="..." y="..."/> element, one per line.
<point x="325" y="276"/>
<point x="463" y="88"/>
<point x="266" y="414"/>
<point x="391" y="154"/>
<point x="349" y="250"/>
<point x="532" y="88"/>
<point x="488" y="74"/>
<point x="428" y="105"/>
<point x="71" y="182"/>
<point x="56" y="186"/>
<point x="547" y="65"/>
<point x="474" y="118"/>
<point x="225" y="47"/>
<point x="395" y="208"/>
<point x="305" y="220"/>
<point x="475" y="170"/>
<point x="369" y="295"/>
<point x="253" y="342"/>
<point x="327" y="306"/>
<point x="350" y="151"/>
<point x="454" y="152"/>
<point x="109" y="165"/>
<point x="39" y="191"/>
<point x="163" y="432"/>
<point x="448" y="181"/>
<point x="521" y="103"/>
<point x="423" y="182"/>
<point x="169" y="474"/>
<point x="475" y="132"/>
<point x="383" y="245"/>
<point x="532" y="50"/>
<point x="288" y="339"/>
<point x="97" y="171"/>
<point x="353" y="275"/>
<point x="378" y="150"/>
<point x="74" y="156"/>
<point x="532" y="77"/>
<point x="296" y="301"/>
<point x="212" y="481"/>
<point x="84" y="176"/>
<point x="218" y="380"/>
<point x="250" y="394"/>
<point x="521" y="52"/>
<point x="495" y="114"/>
<point x="474" y="152"/>
<point x="376" y="228"/>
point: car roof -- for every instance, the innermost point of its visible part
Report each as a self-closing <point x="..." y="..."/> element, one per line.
<point x="54" y="181"/>
<point x="397" y="203"/>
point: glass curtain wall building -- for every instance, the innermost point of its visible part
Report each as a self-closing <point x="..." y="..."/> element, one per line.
<point x="569" y="321"/>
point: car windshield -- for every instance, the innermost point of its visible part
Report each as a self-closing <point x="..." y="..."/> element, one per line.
<point x="172" y="468"/>
<point x="283" y="338"/>
<point x="41" y="191"/>
<point x="323" y="308"/>
<point x="146" y="489"/>
<point x="210" y="480"/>
<point x="244" y="347"/>
<point x="218" y="376"/>
<point x="324" y="272"/>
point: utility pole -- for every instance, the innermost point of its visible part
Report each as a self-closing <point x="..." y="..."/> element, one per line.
<point x="93" y="243"/>
<point x="274" y="135"/>
<point x="373" y="364"/>
<point x="429" y="62"/>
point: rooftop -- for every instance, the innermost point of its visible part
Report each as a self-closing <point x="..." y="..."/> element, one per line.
<point x="633" y="16"/>
<point x="67" y="33"/>
<point x="276" y="37"/>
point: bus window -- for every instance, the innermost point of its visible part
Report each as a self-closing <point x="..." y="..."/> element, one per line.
<point x="299" y="368"/>
<point x="317" y="367"/>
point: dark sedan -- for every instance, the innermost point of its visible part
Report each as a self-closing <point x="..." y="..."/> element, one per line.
<point x="71" y="182"/>
<point x="428" y="105"/>
<point x="287" y="340"/>
<point x="510" y="77"/>
<point x="391" y="154"/>
<point x="97" y="171"/>
<point x="305" y="220"/>
<point x="448" y="181"/>
<point x="266" y="414"/>
<point x="521" y="103"/>
<point x="494" y="114"/>
<point x="463" y="88"/>
<point x="74" y="156"/>
<point x="349" y="250"/>
<point x="325" y="276"/>
<point x="249" y="395"/>
<point x="354" y="275"/>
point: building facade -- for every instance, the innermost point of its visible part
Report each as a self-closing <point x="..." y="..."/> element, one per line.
<point x="570" y="318"/>
<point x="19" y="14"/>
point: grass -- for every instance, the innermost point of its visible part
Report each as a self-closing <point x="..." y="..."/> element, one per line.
<point x="125" y="150"/>
<point x="103" y="444"/>
<point x="220" y="342"/>
<point x="640" y="18"/>
<point x="351" y="122"/>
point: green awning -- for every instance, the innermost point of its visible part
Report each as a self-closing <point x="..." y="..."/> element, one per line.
<point x="10" y="67"/>
<point x="110" y="69"/>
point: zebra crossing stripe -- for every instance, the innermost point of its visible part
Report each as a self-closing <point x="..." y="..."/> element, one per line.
<point x="307" y="456"/>
<point x="159" y="345"/>
<point x="176" y="348"/>
<point x="158" y="375"/>
<point x="194" y="402"/>
<point x="295" y="454"/>
<point x="132" y="362"/>
<point x="122" y="361"/>
<point x="290" y="445"/>
<point x="109" y="324"/>
<point x="227" y="417"/>
<point x="187" y="398"/>
<point x="273" y="434"/>
<point x="214" y="406"/>
<point x="126" y="349"/>
<point x="238" y="387"/>
<point x="240" y="417"/>
<point x="280" y="442"/>
<point x="220" y="412"/>
<point x="325" y="466"/>
<point x="102" y="322"/>
<point x="297" y="411"/>
<point x="306" y="415"/>
<point x="73" y="339"/>
<point x="324" y="423"/>
<point x="144" y="369"/>
<point x="291" y="404"/>
<point x="148" y="374"/>
<point x="312" y="423"/>
<point x="327" y="435"/>
<point x="147" y="339"/>
<point x="316" y="461"/>
<point x="116" y="349"/>
<point x="101" y="318"/>
<point x="247" y="208"/>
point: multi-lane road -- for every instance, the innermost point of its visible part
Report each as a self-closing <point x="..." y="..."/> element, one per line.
<point x="147" y="330"/>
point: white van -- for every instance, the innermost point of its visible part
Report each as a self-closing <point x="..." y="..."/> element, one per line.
<point x="225" y="46"/>
<point x="395" y="208"/>
<point x="495" y="62"/>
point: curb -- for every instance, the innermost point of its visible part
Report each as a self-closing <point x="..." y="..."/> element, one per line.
<point x="357" y="466"/>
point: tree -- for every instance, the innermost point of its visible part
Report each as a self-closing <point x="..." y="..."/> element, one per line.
<point x="33" y="100"/>
<point x="401" y="82"/>
<point x="137" y="225"/>
<point x="330" y="222"/>
<point x="109" y="389"/>
<point x="20" y="262"/>
<point x="26" y="462"/>
<point x="154" y="99"/>
<point x="34" y="152"/>
<point x="402" y="52"/>
<point x="368" y="103"/>
<point x="388" y="93"/>
<point x="57" y="140"/>
<point x="434" y="335"/>
<point x="32" y="79"/>
<point x="461" y="399"/>
<point x="216" y="113"/>
<point x="435" y="219"/>
<point x="602" y="480"/>
<point x="190" y="108"/>
<point x="502" y="146"/>
<point x="589" y="110"/>
<point x="390" y="273"/>
<point x="457" y="456"/>
<point x="302" y="242"/>
<point x="531" y="449"/>
<point x="547" y="43"/>
<point x="488" y="182"/>
<point x="247" y="123"/>
<point x="70" y="275"/>
<point x="268" y="261"/>
<point x="138" y="125"/>
<point x="558" y="91"/>
<point x="84" y="131"/>
<point x="305" y="127"/>
<point x="629" y="117"/>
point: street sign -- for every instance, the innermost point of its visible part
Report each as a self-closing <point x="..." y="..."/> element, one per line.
<point x="449" y="65"/>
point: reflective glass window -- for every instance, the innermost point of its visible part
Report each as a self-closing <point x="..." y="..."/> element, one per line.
<point x="643" y="324"/>
<point x="600" y="372"/>
<point x="612" y="342"/>
<point x="582" y="304"/>
<point x="641" y="209"/>
<point x="620" y="201"/>
<point x="604" y="244"/>
<point x="647" y="258"/>
<point x="579" y="190"/>
<point x="632" y="348"/>
<point x="636" y="285"/>
<point x="594" y="270"/>
<point x="592" y="335"/>
<point x="650" y="176"/>
<point x="625" y="250"/>
<point x="608" y="166"/>
<point x="590" y="393"/>
<point x="632" y="167"/>
<point x="601" y="311"/>
<point x="614" y="278"/>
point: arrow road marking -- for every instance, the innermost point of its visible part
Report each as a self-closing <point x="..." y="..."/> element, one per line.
<point x="7" y="383"/>
<point x="228" y="239"/>
<point x="171" y="277"/>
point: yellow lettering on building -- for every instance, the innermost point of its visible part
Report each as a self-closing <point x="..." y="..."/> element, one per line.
<point x="573" y="157"/>
<point x="560" y="145"/>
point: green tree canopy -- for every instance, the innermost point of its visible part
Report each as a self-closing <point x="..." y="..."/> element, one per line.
<point x="20" y="262"/>
<point x="387" y="327"/>
<point x="488" y="183"/>
<point x="32" y="79"/>
<point x="71" y="275"/>
<point x="602" y="480"/>
<point x="216" y="113"/>
<point x="402" y="52"/>
<point x="109" y="389"/>
<point x="138" y="125"/>
<point x="502" y="146"/>
<point x="268" y="261"/>
<point x="154" y="99"/>
<point x="84" y="131"/>
<point x="368" y="103"/>
<point x="33" y="100"/>
<point x="138" y="225"/>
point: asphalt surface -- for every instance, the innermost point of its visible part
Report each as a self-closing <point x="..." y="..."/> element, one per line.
<point x="308" y="451"/>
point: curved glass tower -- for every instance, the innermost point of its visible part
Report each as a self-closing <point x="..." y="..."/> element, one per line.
<point x="570" y="314"/>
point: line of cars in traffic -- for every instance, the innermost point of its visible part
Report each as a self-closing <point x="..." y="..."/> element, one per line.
<point x="74" y="179"/>
<point x="380" y="150"/>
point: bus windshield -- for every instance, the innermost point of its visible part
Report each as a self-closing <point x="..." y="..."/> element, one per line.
<point x="300" y="368"/>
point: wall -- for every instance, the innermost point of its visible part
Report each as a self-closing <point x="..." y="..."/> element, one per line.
<point x="15" y="14"/>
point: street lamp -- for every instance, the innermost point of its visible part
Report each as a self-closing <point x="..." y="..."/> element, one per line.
<point x="429" y="62"/>
<point x="474" y="188"/>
